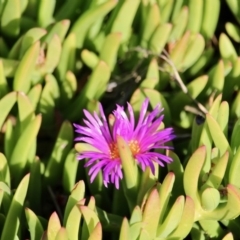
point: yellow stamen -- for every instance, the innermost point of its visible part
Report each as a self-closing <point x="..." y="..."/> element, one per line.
<point x="133" y="145"/>
<point x="114" y="151"/>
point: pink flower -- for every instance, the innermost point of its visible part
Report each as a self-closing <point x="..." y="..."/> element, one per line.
<point x="143" y="137"/>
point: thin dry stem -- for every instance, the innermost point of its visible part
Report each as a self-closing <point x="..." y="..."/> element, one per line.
<point x="55" y="202"/>
<point x="165" y="56"/>
<point x="181" y="84"/>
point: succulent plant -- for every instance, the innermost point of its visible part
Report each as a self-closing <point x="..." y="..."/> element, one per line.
<point x="61" y="59"/>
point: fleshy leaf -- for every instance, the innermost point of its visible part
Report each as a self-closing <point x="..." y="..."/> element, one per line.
<point x="13" y="218"/>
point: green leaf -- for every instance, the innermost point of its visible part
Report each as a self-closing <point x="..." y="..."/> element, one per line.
<point x="203" y="62"/>
<point x="159" y="38"/>
<point x="166" y="9"/>
<point x="180" y="49"/>
<point x="235" y="168"/>
<point x="77" y="194"/>
<point x="13" y="218"/>
<point x="68" y="88"/>
<point x="228" y="211"/>
<point x="23" y="5"/>
<point x="206" y="140"/>
<point x="82" y="24"/>
<point x="212" y="228"/>
<point x="70" y="171"/>
<point x="4" y="50"/>
<point x="110" y="222"/>
<point x="118" y="202"/>
<point x="9" y="138"/>
<point x="217" y="173"/>
<point x="233" y="31"/>
<point x="60" y="150"/>
<point x="180" y="100"/>
<point x="136" y="215"/>
<point x="54" y="50"/>
<point x="218" y="136"/>
<point x="35" y="186"/>
<point x="25" y="111"/>
<point x="233" y="5"/>
<point x="195" y="49"/>
<point x="96" y="234"/>
<point x="151" y="24"/>
<point x="81" y="147"/>
<point x="4" y="187"/>
<point x="179" y="24"/>
<point x="89" y="58"/>
<point x="216" y="77"/>
<point x="6" y="201"/>
<point x="125" y="231"/>
<point x="9" y="67"/>
<point x="19" y="156"/>
<point x="62" y="234"/>
<point x="136" y="222"/>
<point x="34" y="225"/>
<point x="155" y="97"/>
<point x="60" y="29"/>
<point x="29" y="38"/>
<point x="48" y="100"/>
<point x="22" y="79"/>
<point x="149" y="83"/>
<point x="210" y="17"/>
<point x="172" y="219"/>
<point x="53" y="227"/>
<point x="235" y="136"/>
<point x="151" y="213"/>
<point x="197" y="233"/>
<point x="195" y="15"/>
<point x="192" y="172"/>
<point x="226" y="48"/>
<point x="110" y="49"/>
<point x="34" y="95"/>
<point x="215" y="107"/>
<point x="122" y="22"/>
<point x="177" y="7"/>
<point x="222" y="118"/>
<point x="176" y="167"/>
<point x="165" y="193"/>
<point x="4" y="170"/>
<point x="144" y="235"/>
<point x="231" y="80"/>
<point x="235" y="109"/>
<point x="10" y="20"/>
<point x="3" y="81"/>
<point x="90" y="218"/>
<point x="148" y="180"/>
<point x="186" y="223"/>
<point x="68" y="9"/>
<point x="229" y="236"/>
<point x="73" y="221"/>
<point x="6" y="104"/>
<point x="101" y="75"/>
<point x="45" y="12"/>
<point x="210" y="199"/>
<point x="67" y="58"/>
<point x="152" y="75"/>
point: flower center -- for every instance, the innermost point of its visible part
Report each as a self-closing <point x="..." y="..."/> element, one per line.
<point x="133" y="145"/>
<point x="113" y="151"/>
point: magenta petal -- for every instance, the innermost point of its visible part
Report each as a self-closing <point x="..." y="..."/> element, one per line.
<point x="144" y="131"/>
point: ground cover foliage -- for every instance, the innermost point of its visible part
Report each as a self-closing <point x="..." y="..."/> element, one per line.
<point x="60" y="57"/>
